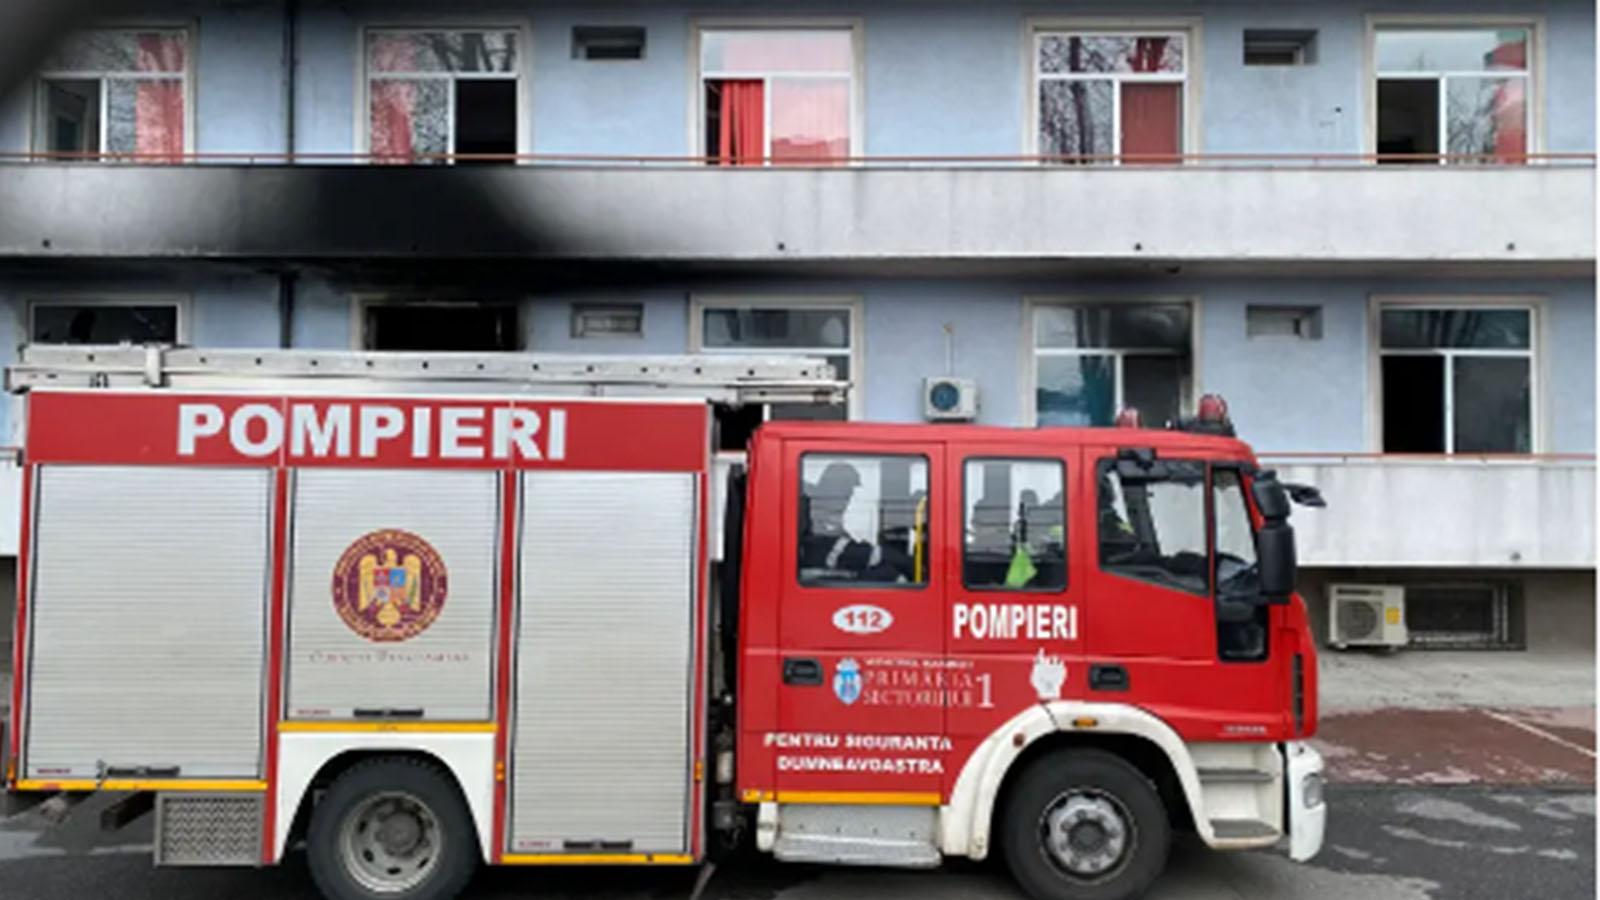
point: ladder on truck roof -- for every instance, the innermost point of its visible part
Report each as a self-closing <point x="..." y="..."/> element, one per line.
<point x="717" y="378"/>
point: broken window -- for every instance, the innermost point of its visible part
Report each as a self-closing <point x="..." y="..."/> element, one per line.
<point x="1093" y="360"/>
<point x="103" y="323"/>
<point x="1457" y="380"/>
<point x="115" y="91"/>
<point x="778" y="95"/>
<point x="451" y="326"/>
<point x="813" y="330"/>
<point x="1105" y="95"/>
<point x="1457" y="91"/>
<point x="434" y="93"/>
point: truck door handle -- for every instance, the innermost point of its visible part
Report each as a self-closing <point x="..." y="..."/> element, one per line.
<point x="1107" y="678"/>
<point x="802" y="672"/>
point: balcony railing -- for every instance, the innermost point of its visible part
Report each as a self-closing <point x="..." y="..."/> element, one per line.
<point x="1483" y="511"/>
<point x="1185" y="160"/>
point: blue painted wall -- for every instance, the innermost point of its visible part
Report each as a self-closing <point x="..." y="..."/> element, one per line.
<point x="939" y="77"/>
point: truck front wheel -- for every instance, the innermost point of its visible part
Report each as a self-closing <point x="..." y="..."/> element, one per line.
<point x="392" y="829"/>
<point x="1085" y="825"/>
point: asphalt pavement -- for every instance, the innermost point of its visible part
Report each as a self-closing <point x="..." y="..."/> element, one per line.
<point x="1385" y="843"/>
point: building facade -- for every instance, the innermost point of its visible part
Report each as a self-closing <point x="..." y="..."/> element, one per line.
<point x="1370" y="228"/>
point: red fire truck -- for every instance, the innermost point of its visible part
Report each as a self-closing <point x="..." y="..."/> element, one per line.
<point x="415" y="632"/>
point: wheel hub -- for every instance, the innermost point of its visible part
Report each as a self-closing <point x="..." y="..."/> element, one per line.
<point x="1087" y="833"/>
<point x="390" y="842"/>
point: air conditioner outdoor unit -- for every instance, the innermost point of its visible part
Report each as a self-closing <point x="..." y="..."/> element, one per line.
<point x="947" y="399"/>
<point x="1366" y="615"/>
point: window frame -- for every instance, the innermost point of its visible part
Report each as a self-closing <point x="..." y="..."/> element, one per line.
<point x="1538" y="361"/>
<point x="521" y="74"/>
<point x="800" y="523"/>
<point x="697" y="78"/>
<point x="1535" y="74"/>
<point x="1030" y="379"/>
<point x="34" y="108"/>
<point x="181" y="303"/>
<point x="1188" y="27"/>
<point x="1066" y="524"/>
<point x="855" y="401"/>
<point x="360" y="303"/>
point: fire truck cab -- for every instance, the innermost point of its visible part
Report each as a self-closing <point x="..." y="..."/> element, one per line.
<point x="523" y="612"/>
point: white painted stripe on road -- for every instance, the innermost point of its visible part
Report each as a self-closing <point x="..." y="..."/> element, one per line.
<point x="1534" y="729"/>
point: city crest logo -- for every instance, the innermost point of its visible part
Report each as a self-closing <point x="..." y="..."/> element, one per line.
<point x="389" y="585"/>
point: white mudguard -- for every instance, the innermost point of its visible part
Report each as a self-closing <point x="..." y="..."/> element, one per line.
<point x="1308" y="809"/>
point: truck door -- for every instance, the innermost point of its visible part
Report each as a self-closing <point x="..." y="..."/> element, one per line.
<point x="1013" y="637"/>
<point x="1152" y="620"/>
<point x="861" y="622"/>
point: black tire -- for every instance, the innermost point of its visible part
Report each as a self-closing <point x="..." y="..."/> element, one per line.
<point x="456" y="855"/>
<point x="1105" y="776"/>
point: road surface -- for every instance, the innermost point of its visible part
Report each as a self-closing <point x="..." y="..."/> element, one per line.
<point x="1388" y="842"/>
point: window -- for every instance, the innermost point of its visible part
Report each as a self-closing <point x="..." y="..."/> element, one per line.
<point x="1241" y="618"/>
<point x="607" y="42"/>
<point x="122" y="91"/>
<point x="1277" y="47"/>
<point x="780" y="94"/>
<point x="1092" y="360"/>
<point x="103" y="322"/>
<point x="1459" y="616"/>
<point x="1014" y="535"/>
<point x="596" y="320"/>
<point x="1456" y="379"/>
<point x="1462" y="91"/>
<point x="863" y="520"/>
<point x="434" y="92"/>
<point x="1302" y="322"/>
<point x="827" y="330"/>
<point x="1153" y="526"/>
<point x="1111" y="94"/>
<point x="440" y="325"/>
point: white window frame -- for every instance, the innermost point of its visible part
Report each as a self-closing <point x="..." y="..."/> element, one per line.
<point x="1188" y="28"/>
<point x="521" y="74"/>
<point x="360" y="303"/>
<point x="855" y="403"/>
<point x="1449" y="22"/>
<point x="1537" y="361"/>
<point x="181" y="303"/>
<point x="697" y="78"/>
<point x="1031" y="353"/>
<point x="35" y="110"/>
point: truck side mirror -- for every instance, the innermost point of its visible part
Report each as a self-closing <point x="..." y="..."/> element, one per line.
<point x="1271" y="498"/>
<point x="1275" y="551"/>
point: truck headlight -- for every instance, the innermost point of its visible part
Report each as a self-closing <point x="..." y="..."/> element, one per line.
<point x="1311" y="790"/>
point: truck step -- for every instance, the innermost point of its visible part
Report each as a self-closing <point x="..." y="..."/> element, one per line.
<point x="1243" y="830"/>
<point x="856" y="851"/>
<point x="1247" y="776"/>
<point x="897" y="836"/>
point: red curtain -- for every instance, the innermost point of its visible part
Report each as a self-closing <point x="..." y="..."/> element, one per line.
<point x="392" y="105"/>
<point x="1152" y="122"/>
<point x="741" y="136"/>
<point x="810" y="120"/>
<point x="158" y="104"/>
<point x="1511" y="121"/>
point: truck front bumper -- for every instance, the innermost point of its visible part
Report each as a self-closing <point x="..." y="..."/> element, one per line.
<point x="1307" y="806"/>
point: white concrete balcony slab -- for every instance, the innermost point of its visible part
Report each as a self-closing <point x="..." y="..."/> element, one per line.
<point x="1202" y="213"/>
<point x="1510" y="512"/>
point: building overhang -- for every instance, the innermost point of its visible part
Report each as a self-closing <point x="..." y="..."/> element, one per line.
<point x="875" y="217"/>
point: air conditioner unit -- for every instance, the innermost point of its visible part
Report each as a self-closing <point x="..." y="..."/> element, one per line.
<point x="946" y="399"/>
<point x="1366" y="615"/>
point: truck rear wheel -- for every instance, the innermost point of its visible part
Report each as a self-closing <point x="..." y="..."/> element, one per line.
<point x="1085" y="825"/>
<point x="392" y="829"/>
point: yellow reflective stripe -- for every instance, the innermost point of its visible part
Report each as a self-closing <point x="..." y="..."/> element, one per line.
<point x="597" y="859"/>
<point x="392" y="727"/>
<point x="862" y="798"/>
<point x="134" y="784"/>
